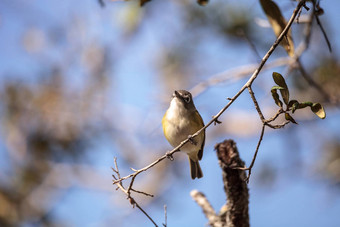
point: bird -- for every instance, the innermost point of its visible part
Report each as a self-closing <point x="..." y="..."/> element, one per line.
<point x="180" y="121"/>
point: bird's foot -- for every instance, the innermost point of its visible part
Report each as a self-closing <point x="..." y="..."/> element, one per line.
<point x="191" y="140"/>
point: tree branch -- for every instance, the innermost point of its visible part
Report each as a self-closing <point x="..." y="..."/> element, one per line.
<point x="236" y="210"/>
<point x="208" y="210"/>
<point x="127" y="192"/>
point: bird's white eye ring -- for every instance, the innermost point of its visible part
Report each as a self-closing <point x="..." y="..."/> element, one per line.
<point x="186" y="99"/>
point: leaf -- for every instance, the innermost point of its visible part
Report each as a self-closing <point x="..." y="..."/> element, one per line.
<point x="279" y="80"/>
<point x="290" y="118"/>
<point x="278" y="23"/>
<point x="276" y="97"/>
<point x="277" y="88"/>
<point x="294" y="104"/>
<point x="305" y="104"/>
<point x="318" y="110"/>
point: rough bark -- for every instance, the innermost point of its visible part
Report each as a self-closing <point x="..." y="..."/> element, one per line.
<point x="236" y="209"/>
<point x="235" y="212"/>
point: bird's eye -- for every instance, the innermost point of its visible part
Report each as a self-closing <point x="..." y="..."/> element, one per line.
<point x="187" y="99"/>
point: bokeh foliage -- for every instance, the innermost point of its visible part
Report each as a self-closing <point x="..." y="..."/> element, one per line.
<point x="53" y="115"/>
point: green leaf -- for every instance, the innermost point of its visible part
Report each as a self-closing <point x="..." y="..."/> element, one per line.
<point x="279" y="80"/>
<point x="276" y="98"/>
<point x="318" y="110"/>
<point x="277" y="88"/>
<point x="305" y="104"/>
<point x="294" y="105"/>
<point x="290" y="118"/>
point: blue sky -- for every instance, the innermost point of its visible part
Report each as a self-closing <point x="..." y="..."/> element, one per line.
<point x="298" y="197"/>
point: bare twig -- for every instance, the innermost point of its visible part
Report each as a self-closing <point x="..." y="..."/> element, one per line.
<point x="256" y="151"/>
<point x="302" y="47"/>
<point x="135" y="204"/>
<point x="323" y="32"/>
<point x="304" y="74"/>
<point x="127" y="192"/>
<point x="314" y="84"/>
<point x="257" y="107"/>
<point x="165" y="217"/>
<point x="146" y="214"/>
<point x="140" y="192"/>
<point x="137" y="172"/>
<point x="254" y="157"/>
<point x="265" y="122"/>
<point x="278" y="113"/>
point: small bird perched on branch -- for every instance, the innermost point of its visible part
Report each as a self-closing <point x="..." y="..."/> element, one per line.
<point x="180" y="121"/>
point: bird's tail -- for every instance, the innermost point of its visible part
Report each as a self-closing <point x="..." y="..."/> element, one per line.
<point x="195" y="169"/>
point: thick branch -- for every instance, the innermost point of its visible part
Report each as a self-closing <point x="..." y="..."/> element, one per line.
<point x="236" y="189"/>
<point x="208" y="210"/>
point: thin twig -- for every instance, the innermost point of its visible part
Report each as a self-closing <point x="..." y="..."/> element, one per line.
<point x="278" y="126"/>
<point x="165" y="217"/>
<point x="131" y="183"/>
<point x="302" y="47"/>
<point x="140" y="192"/>
<point x="255" y="155"/>
<point x="278" y="113"/>
<point x="314" y="84"/>
<point x="132" y="200"/>
<point x="323" y="32"/>
<point x="146" y="214"/>
<point x="137" y="172"/>
<point x="257" y="107"/>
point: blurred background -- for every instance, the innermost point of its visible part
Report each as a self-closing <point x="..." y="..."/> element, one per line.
<point x="81" y="84"/>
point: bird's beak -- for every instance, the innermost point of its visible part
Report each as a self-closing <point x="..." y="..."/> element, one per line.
<point x="176" y="94"/>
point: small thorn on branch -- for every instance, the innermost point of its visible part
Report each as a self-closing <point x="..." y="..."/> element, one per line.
<point x="306" y="7"/>
<point x="216" y="121"/>
<point x="132" y="201"/>
<point x="169" y="156"/>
